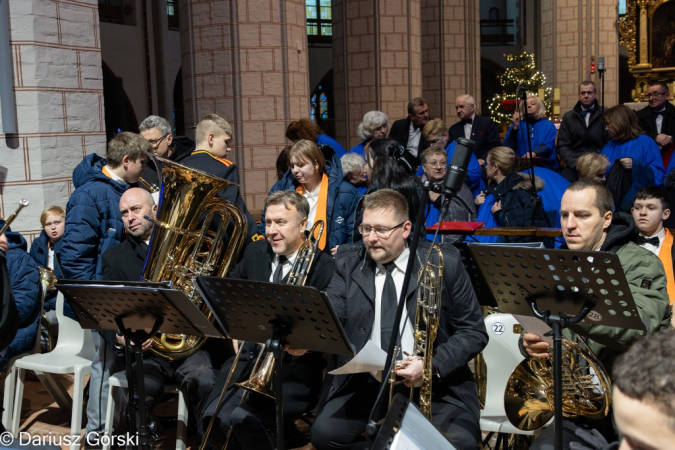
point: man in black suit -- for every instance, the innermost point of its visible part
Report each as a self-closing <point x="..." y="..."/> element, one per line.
<point x="658" y="119"/>
<point x="408" y="131"/>
<point x="364" y="291"/>
<point x="253" y="422"/>
<point x="482" y="130"/>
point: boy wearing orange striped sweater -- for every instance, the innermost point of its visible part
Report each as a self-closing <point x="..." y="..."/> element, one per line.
<point x="650" y="209"/>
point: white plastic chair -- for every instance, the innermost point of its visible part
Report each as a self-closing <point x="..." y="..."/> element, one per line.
<point x="501" y="356"/>
<point x="73" y="353"/>
<point x="119" y="380"/>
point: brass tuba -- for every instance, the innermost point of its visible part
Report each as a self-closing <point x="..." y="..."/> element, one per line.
<point x="429" y="290"/>
<point x="182" y="246"/>
<point x="586" y="388"/>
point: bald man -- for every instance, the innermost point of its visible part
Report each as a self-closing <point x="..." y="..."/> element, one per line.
<point x="481" y="130"/>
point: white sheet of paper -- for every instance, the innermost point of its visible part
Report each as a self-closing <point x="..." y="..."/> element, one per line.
<point x="370" y="359"/>
<point x="536" y="326"/>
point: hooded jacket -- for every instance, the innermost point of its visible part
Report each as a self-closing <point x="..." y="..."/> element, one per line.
<point x="342" y="201"/>
<point x="25" y="282"/>
<point x="647" y="280"/>
<point x="517" y="203"/>
<point x="39" y="251"/>
<point x="93" y="220"/>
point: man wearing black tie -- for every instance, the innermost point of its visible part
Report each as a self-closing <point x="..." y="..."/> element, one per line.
<point x="581" y="130"/>
<point x="364" y="292"/>
<point x="481" y="130"/>
<point x="253" y="421"/>
<point x="658" y="119"/>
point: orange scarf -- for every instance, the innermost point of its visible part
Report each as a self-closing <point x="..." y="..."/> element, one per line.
<point x="667" y="260"/>
<point x="321" y="207"/>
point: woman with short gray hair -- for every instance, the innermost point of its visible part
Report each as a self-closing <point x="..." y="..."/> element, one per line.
<point x="375" y="125"/>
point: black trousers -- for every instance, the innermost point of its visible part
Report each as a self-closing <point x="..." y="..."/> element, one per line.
<point x="343" y="418"/>
<point x="195" y="373"/>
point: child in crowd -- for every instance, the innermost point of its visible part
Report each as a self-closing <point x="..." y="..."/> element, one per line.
<point x="650" y="209"/>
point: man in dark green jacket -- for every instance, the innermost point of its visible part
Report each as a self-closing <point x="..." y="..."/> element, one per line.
<point x="588" y="223"/>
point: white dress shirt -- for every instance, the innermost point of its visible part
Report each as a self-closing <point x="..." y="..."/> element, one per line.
<point x="313" y="199"/>
<point x="659" y="121"/>
<point x="468" y="126"/>
<point x="414" y="135"/>
<point x="397" y="274"/>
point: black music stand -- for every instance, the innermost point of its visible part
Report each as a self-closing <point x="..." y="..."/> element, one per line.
<point x="139" y="310"/>
<point x="277" y="314"/>
<point x="562" y="288"/>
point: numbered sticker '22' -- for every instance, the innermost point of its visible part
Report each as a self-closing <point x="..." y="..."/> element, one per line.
<point x="498" y="328"/>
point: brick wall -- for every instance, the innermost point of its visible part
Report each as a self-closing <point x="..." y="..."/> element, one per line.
<point x="250" y="67"/>
<point x="56" y="58"/>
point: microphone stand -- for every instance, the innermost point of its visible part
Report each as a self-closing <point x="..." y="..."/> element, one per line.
<point x="530" y="166"/>
<point x="447" y="192"/>
<point x="601" y="72"/>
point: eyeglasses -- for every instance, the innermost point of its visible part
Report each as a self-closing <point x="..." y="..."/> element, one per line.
<point x="154" y="142"/>
<point x="435" y="164"/>
<point x="655" y="94"/>
<point x="381" y="232"/>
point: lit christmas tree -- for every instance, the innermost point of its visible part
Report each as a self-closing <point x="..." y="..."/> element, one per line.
<point x="523" y="73"/>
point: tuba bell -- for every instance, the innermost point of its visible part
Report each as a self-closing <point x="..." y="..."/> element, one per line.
<point x="183" y="246"/>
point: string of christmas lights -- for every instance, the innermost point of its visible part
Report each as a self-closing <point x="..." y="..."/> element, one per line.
<point x="523" y="73"/>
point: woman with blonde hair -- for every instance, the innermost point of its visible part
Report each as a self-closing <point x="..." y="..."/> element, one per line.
<point x="537" y="135"/>
<point x="375" y="125"/>
<point x="593" y="165"/>
<point x="316" y="174"/>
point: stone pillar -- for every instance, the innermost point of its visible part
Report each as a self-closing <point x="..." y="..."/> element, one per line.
<point x="246" y="60"/>
<point x="450" y="55"/>
<point x="377" y="60"/>
<point x="58" y="90"/>
<point x="575" y="32"/>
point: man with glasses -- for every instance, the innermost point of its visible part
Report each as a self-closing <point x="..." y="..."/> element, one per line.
<point x="364" y="292"/>
<point x="581" y="130"/>
<point x="658" y="119"/>
<point x="158" y="132"/>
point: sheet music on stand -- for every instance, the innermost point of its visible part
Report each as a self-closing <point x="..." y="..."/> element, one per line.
<point x="559" y="281"/>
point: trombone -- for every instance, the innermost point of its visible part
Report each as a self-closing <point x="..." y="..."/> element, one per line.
<point x="8" y="221"/>
<point x="261" y="378"/>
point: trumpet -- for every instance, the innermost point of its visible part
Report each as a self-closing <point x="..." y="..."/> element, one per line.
<point x="8" y="221"/>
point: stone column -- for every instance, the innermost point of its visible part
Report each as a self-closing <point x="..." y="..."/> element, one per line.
<point x="246" y="60"/>
<point x="576" y="31"/>
<point x="58" y="90"/>
<point x="377" y="60"/>
<point x="450" y="55"/>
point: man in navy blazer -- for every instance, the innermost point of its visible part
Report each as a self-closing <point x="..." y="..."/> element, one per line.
<point x="481" y="130"/>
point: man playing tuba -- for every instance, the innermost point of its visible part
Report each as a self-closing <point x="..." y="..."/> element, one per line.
<point x="364" y="292"/>
<point x="253" y="420"/>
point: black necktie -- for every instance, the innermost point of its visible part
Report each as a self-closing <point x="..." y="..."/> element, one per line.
<point x="279" y="272"/>
<point x="645" y="240"/>
<point x="388" y="305"/>
<point x="658" y="113"/>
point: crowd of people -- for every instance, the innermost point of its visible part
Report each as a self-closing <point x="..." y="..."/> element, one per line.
<point x="603" y="178"/>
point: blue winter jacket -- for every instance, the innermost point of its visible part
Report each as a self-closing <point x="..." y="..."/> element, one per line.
<point x="39" y="251"/>
<point x="93" y="220"/>
<point x="324" y="139"/>
<point x="25" y="279"/>
<point x="343" y="199"/>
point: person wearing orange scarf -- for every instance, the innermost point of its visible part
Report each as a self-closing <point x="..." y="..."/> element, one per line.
<point x="650" y="209"/>
<point x="315" y="172"/>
